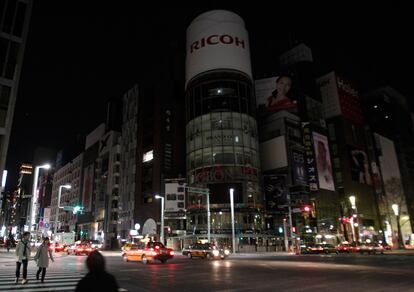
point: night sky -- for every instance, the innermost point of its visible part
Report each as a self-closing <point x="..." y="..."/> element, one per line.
<point x="78" y="56"/>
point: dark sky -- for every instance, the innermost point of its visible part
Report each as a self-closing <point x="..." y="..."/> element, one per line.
<point x="78" y="56"/>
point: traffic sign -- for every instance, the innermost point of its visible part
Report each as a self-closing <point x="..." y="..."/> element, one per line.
<point x="47" y="225"/>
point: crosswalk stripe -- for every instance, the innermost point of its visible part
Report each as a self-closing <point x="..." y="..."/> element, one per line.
<point x="54" y="281"/>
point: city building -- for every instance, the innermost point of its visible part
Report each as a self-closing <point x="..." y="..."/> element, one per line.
<point x="221" y="130"/>
<point x="388" y="114"/>
<point x="106" y="190"/>
<point x="14" y="25"/>
<point x="70" y="173"/>
<point x="151" y="151"/>
<point x="352" y="154"/>
<point x="24" y="190"/>
<point x="296" y="167"/>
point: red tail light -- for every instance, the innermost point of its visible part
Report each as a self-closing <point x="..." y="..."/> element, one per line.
<point x="157" y="247"/>
<point x="171" y="252"/>
<point x="89" y="249"/>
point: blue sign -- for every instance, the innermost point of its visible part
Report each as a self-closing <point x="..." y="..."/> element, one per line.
<point x="47" y="225"/>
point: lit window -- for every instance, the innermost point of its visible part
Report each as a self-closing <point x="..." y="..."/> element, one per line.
<point x="386" y="116"/>
<point x="375" y="106"/>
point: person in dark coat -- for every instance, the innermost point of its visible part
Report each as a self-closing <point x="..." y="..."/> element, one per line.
<point x="97" y="279"/>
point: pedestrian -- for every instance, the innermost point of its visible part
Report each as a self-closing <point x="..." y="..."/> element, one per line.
<point x="97" y="279"/>
<point x="23" y="255"/>
<point x="10" y="242"/>
<point x="42" y="258"/>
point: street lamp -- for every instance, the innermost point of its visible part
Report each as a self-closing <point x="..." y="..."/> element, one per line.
<point x="396" y="210"/>
<point x="352" y="199"/>
<point x="233" y="236"/>
<point x="162" y="217"/>
<point x="65" y="186"/>
<point x="32" y="219"/>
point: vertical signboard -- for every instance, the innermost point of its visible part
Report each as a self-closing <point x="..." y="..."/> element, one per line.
<point x="275" y="193"/>
<point x="323" y="162"/>
<point x="310" y="160"/>
<point x="299" y="168"/>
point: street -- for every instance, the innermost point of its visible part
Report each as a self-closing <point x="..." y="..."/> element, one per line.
<point x="244" y="272"/>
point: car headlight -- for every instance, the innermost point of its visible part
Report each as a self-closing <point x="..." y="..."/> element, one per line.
<point x="226" y="252"/>
<point x="216" y="252"/>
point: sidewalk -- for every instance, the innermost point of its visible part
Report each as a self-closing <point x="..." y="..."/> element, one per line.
<point x="400" y="252"/>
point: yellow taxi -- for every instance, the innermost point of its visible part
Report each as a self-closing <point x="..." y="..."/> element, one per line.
<point x="147" y="252"/>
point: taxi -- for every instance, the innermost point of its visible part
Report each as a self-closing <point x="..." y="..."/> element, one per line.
<point x="148" y="252"/>
<point x="205" y="251"/>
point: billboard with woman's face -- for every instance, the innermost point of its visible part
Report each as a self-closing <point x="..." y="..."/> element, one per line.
<point x="323" y="162"/>
<point x="275" y="94"/>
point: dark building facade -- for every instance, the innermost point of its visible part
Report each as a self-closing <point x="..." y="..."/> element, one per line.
<point x="14" y="25"/>
<point x="388" y="114"/>
<point x="151" y="151"/>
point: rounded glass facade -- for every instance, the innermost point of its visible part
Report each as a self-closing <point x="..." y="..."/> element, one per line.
<point x="221" y="134"/>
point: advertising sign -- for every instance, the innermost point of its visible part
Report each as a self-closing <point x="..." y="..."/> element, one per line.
<point x="175" y="199"/>
<point x="275" y="94"/>
<point x="359" y="166"/>
<point x="298" y="167"/>
<point x="310" y="160"/>
<point x="323" y="162"/>
<point x="275" y="193"/>
<point x="217" y="39"/>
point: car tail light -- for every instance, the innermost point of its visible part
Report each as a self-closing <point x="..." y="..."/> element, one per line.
<point x="79" y="249"/>
<point x="89" y="249"/>
<point x="171" y="252"/>
<point x="157" y="247"/>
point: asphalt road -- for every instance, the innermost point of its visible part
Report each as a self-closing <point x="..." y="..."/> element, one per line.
<point x="249" y="273"/>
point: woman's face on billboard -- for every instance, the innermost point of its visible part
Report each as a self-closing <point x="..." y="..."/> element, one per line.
<point x="283" y="85"/>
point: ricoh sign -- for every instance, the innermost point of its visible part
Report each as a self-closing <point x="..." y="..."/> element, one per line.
<point x="217" y="40"/>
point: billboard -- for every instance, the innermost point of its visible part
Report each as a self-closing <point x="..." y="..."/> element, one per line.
<point x="359" y="166"/>
<point x="298" y="167"/>
<point x="310" y="158"/>
<point x="276" y="94"/>
<point x="174" y="199"/>
<point x="87" y="187"/>
<point x="275" y="193"/>
<point x="217" y="39"/>
<point x="273" y="154"/>
<point x="340" y="98"/>
<point x="323" y="162"/>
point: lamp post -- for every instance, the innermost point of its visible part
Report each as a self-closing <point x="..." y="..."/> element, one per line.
<point x="354" y="222"/>
<point x="65" y="186"/>
<point x="396" y="210"/>
<point x="162" y="218"/>
<point x="32" y="219"/>
<point x="233" y="235"/>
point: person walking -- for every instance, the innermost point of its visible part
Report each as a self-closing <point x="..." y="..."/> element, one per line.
<point x="98" y="279"/>
<point x="23" y="255"/>
<point x="42" y="258"/>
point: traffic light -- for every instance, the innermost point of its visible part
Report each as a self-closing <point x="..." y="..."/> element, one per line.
<point x="307" y="208"/>
<point x="77" y="209"/>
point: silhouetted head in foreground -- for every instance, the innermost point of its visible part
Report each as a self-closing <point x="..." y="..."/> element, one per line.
<point x="95" y="262"/>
